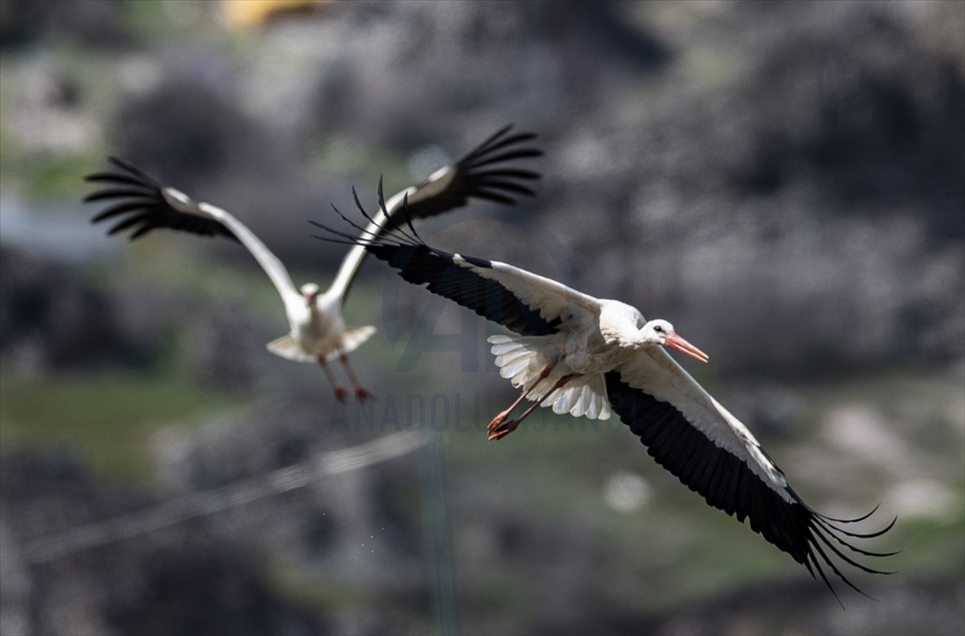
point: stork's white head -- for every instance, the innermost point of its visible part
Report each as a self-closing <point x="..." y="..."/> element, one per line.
<point x="309" y="292"/>
<point x="662" y="332"/>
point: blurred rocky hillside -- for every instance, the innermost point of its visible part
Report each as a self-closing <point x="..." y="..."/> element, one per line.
<point x="783" y="181"/>
<point x="793" y="171"/>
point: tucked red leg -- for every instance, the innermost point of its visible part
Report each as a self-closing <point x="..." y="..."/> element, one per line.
<point x="499" y="419"/>
<point x="361" y="394"/>
<point x="504" y="429"/>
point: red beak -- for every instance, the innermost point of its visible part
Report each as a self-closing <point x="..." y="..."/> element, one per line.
<point x="678" y="343"/>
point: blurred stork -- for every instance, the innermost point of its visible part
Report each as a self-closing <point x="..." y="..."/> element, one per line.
<point x="318" y="331"/>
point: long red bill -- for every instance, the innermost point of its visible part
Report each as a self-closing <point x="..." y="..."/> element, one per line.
<point x="682" y="345"/>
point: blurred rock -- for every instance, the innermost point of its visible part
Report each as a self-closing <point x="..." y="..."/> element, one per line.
<point x="528" y="61"/>
<point x="97" y="23"/>
<point x="917" y="607"/>
<point x="811" y="204"/>
<point x="49" y="115"/>
<point x="356" y="529"/>
<point x="189" y="128"/>
<point x="782" y="180"/>
<point x="224" y="347"/>
<point x="15" y="587"/>
<point x="792" y="171"/>
<point x="353" y="526"/>
<point x="52" y="318"/>
<point x="178" y="580"/>
<point x="799" y="197"/>
<point x="192" y="130"/>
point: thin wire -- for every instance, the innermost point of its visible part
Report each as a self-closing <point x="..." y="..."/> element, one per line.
<point x="211" y="501"/>
<point x="438" y="539"/>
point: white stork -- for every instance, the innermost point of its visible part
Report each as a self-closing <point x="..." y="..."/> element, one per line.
<point x="590" y="357"/>
<point x="318" y="331"/>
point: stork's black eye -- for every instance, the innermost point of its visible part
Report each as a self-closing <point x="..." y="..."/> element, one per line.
<point x="658" y="329"/>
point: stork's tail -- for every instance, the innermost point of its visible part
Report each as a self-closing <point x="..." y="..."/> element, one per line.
<point x="521" y="359"/>
<point x="353" y="339"/>
<point x="287" y="347"/>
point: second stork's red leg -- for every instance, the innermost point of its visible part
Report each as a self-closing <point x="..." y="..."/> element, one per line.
<point x="361" y="393"/>
<point x="340" y="393"/>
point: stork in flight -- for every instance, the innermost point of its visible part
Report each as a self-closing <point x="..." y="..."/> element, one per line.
<point x="318" y="331"/>
<point x="593" y="357"/>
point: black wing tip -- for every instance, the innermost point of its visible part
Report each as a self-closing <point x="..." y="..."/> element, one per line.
<point x="120" y="162"/>
<point x="525" y="135"/>
<point x="820" y="529"/>
<point x="827" y="518"/>
<point x="140" y="203"/>
<point x="484" y="153"/>
<point x="470" y="176"/>
<point x="781" y="518"/>
<point x="388" y="233"/>
<point x="405" y="213"/>
<point x="129" y="174"/>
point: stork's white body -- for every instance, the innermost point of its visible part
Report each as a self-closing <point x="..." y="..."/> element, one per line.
<point x="595" y="341"/>
<point x="319" y="329"/>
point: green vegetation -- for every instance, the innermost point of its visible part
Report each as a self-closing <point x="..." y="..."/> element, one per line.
<point x="55" y="176"/>
<point x="110" y="418"/>
<point x="314" y="595"/>
<point x="156" y="19"/>
<point x="34" y="167"/>
<point x="929" y="546"/>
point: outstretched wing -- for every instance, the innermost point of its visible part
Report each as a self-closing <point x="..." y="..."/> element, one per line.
<point x="521" y="301"/>
<point x="139" y="204"/>
<point x="144" y="205"/>
<point x="482" y="174"/>
<point x="690" y="434"/>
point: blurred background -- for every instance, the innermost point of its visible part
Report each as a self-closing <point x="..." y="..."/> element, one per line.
<point x="785" y="182"/>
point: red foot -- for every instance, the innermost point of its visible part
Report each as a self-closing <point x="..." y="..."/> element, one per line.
<point x="497" y="421"/>
<point x="502" y="430"/>
<point x="362" y="394"/>
<point x="341" y="394"/>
